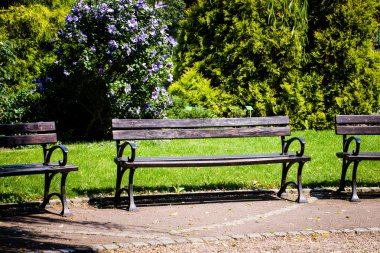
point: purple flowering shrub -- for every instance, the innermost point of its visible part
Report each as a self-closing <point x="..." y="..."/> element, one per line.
<point x="113" y="60"/>
<point x="113" y="54"/>
<point x="125" y="43"/>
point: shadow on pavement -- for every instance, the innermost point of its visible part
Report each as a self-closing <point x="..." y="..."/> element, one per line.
<point x="321" y="193"/>
<point x="188" y="198"/>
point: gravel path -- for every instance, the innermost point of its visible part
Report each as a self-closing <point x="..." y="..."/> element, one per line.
<point x="364" y="242"/>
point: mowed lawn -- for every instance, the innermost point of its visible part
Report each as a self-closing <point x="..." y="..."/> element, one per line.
<point x="97" y="170"/>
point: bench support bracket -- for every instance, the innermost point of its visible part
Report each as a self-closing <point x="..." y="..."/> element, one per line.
<point x="285" y="169"/>
<point x="129" y="190"/>
<point x="354" y="195"/>
<point x="62" y="196"/>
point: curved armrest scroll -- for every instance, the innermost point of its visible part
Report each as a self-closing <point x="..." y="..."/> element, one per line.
<point x="121" y="148"/>
<point x="49" y="152"/>
<point x="290" y="141"/>
<point x="348" y="142"/>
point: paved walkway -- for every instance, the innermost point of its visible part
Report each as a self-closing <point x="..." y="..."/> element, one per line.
<point x="199" y="217"/>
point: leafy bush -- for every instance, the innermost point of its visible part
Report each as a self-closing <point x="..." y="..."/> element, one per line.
<point x="113" y="60"/>
<point x="196" y="89"/>
<point x="265" y="54"/>
<point x="342" y="55"/>
<point x="181" y="109"/>
<point x="25" y="35"/>
<point x="246" y="59"/>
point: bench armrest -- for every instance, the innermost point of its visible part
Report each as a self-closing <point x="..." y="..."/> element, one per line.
<point x="120" y="150"/>
<point x="287" y="144"/>
<point x="49" y="152"/>
<point x="346" y="145"/>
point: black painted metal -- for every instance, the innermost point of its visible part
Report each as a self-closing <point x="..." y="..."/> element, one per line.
<point x="124" y="131"/>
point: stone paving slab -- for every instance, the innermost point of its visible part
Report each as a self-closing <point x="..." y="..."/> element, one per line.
<point x="102" y="227"/>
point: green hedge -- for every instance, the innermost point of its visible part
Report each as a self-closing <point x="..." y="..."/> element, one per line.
<point x="271" y="58"/>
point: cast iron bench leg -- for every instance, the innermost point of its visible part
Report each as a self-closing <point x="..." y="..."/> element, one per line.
<point x="65" y="207"/>
<point x="119" y="178"/>
<point x="282" y="191"/>
<point x="132" y="205"/>
<point x="342" y="185"/>
<point x="285" y="168"/>
<point x="48" y="178"/>
<point x="354" y="195"/>
<point x="301" y="197"/>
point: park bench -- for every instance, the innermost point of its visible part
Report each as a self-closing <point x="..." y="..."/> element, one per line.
<point x="38" y="133"/>
<point x="350" y="126"/>
<point x="126" y="131"/>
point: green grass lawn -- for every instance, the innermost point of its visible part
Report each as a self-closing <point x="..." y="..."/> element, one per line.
<point x="97" y="171"/>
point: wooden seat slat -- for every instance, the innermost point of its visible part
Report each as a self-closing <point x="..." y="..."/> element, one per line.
<point x="152" y="134"/>
<point x="29" y="169"/>
<point x="34" y="139"/>
<point x="205" y="158"/>
<point x="358" y="130"/>
<point x="216" y="162"/>
<point x="197" y="123"/>
<point x="37" y="127"/>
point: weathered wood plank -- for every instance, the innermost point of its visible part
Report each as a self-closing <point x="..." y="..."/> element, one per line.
<point x="203" y="158"/>
<point x="153" y="134"/>
<point x="374" y="156"/>
<point x="357" y="119"/>
<point x="30" y="169"/>
<point x="18" y="140"/>
<point x="198" y="123"/>
<point x="358" y="130"/>
<point x="37" y="127"/>
<point x="218" y="162"/>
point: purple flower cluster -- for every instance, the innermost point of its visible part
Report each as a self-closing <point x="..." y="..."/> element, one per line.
<point x="123" y="42"/>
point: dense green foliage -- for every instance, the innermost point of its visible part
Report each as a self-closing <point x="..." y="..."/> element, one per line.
<point x="270" y="57"/>
<point x="341" y="54"/>
<point x="308" y="59"/>
<point x="25" y="45"/>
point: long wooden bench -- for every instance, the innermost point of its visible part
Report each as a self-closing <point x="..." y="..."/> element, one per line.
<point x="125" y="131"/>
<point x="350" y="126"/>
<point x="38" y="133"/>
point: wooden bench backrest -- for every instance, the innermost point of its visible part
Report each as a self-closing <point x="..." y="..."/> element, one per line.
<point x="157" y="129"/>
<point x="357" y="124"/>
<point x="12" y="135"/>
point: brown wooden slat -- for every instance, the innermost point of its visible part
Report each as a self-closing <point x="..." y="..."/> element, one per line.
<point x="358" y="130"/>
<point x="203" y="158"/>
<point x="27" y="128"/>
<point x="198" y="123"/>
<point x="374" y="156"/>
<point x="218" y="162"/>
<point x="357" y="119"/>
<point x="29" y="169"/>
<point x="17" y="140"/>
<point x="199" y="133"/>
